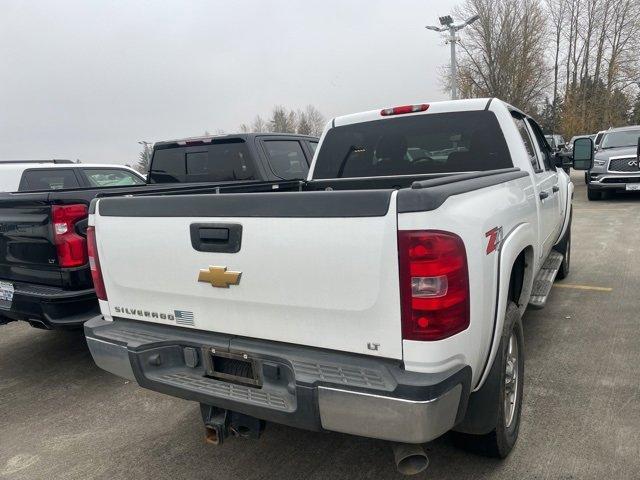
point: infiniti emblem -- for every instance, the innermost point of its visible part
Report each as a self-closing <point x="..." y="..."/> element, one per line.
<point x="633" y="163"/>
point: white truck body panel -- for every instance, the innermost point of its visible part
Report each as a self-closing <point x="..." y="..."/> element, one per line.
<point x="503" y="206"/>
<point x="327" y="283"/>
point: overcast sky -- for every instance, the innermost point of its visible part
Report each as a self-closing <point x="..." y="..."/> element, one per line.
<point x="89" y="79"/>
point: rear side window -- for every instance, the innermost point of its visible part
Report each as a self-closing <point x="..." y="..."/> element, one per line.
<point x="542" y="144"/>
<point x="286" y="159"/>
<point x="412" y="145"/>
<point x="110" y="177"/>
<point x="528" y="143"/>
<point x="313" y="146"/>
<point x="48" y="179"/>
<point x="218" y="162"/>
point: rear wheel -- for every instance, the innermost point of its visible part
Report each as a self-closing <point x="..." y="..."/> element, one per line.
<point x="593" y="194"/>
<point x="508" y="372"/>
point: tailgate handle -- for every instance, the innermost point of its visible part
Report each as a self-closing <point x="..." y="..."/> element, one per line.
<point x="216" y="237"/>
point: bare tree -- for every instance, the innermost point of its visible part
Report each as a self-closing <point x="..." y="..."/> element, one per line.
<point x="307" y="121"/>
<point x="316" y="120"/>
<point x="303" y="126"/>
<point x="557" y="10"/>
<point x="144" y="158"/>
<point x="282" y="120"/>
<point x="503" y="54"/>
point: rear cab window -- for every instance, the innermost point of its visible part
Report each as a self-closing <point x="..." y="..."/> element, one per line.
<point x="217" y="162"/>
<point x="48" y="179"/>
<point x="110" y="177"/>
<point x="413" y="145"/>
<point x="286" y="159"/>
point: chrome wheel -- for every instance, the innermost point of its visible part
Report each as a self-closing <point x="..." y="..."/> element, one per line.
<point x="511" y="381"/>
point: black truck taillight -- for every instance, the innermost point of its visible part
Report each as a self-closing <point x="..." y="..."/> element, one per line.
<point x="434" y="284"/>
<point x="70" y="245"/>
<point x="94" y="264"/>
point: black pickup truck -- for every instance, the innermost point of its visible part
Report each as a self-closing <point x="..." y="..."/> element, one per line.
<point x="44" y="269"/>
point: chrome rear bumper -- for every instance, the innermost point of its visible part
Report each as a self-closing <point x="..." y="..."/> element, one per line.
<point x="300" y="386"/>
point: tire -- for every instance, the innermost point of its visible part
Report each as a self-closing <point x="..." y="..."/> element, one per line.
<point x="586" y="178"/>
<point x="593" y="194"/>
<point x="564" y="247"/>
<point x="502" y="438"/>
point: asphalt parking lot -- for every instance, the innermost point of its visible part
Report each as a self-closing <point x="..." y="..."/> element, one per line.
<point x="61" y="417"/>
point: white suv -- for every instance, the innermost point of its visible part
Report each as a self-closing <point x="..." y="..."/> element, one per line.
<point x="27" y="175"/>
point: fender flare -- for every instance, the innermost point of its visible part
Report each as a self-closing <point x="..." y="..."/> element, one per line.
<point x="521" y="238"/>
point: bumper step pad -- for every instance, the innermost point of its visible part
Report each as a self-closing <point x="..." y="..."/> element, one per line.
<point x="544" y="280"/>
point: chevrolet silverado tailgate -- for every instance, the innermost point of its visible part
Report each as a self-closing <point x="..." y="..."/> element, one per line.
<point x="27" y="249"/>
<point x="309" y="268"/>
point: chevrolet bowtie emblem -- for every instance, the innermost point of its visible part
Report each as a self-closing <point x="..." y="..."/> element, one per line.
<point x="219" y="277"/>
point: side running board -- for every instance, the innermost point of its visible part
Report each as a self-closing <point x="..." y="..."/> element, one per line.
<point x="544" y="280"/>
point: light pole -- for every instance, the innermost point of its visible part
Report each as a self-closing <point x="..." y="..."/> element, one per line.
<point x="447" y="24"/>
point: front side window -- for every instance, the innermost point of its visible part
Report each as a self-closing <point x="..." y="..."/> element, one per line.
<point x="414" y="145"/>
<point x="286" y="159"/>
<point x="111" y="177"/>
<point x="48" y="179"/>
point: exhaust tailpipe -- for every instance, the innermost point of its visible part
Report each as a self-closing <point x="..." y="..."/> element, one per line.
<point x="410" y="459"/>
<point x="213" y="434"/>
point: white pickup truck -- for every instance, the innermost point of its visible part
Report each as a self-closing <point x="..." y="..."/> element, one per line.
<point x="382" y="298"/>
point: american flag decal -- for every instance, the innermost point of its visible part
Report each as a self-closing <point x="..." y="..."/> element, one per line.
<point x="184" y="317"/>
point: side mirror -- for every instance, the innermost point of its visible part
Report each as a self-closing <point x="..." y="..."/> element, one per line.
<point x="583" y="154"/>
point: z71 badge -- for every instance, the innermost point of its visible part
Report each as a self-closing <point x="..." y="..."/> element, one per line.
<point x="495" y="238"/>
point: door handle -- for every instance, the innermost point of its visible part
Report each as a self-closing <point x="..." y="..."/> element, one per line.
<point x="555" y="189"/>
<point x="544" y="195"/>
<point x="216" y="237"/>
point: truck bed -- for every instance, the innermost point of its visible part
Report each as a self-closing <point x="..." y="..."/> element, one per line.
<point x="334" y="254"/>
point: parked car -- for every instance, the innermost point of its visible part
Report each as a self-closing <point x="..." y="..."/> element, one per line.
<point x="237" y="157"/>
<point x="44" y="267"/>
<point x="382" y="300"/>
<point x="30" y="175"/>
<point x="615" y="167"/>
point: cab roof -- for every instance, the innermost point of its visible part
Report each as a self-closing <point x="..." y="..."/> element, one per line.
<point x="433" y="107"/>
<point x="231" y="136"/>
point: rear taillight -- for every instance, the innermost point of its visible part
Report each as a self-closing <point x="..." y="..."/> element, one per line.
<point x="70" y="245"/>
<point x="94" y="264"/>
<point x="434" y="284"/>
